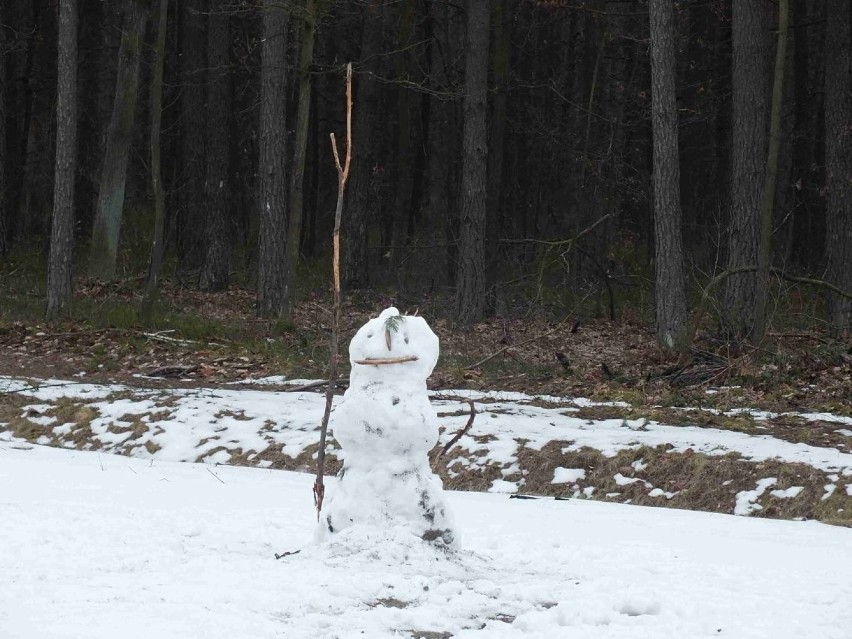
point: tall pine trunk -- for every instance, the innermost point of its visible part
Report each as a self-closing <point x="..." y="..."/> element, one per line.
<point x="471" y="293"/>
<point x="158" y="247"/>
<point x="216" y="268"/>
<point x="838" y="161"/>
<point x="364" y="197"/>
<point x="273" y="295"/>
<point x="110" y="205"/>
<point x="772" y="158"/>
<point x="669" y="281"/>
<point x="751" y="64"/>
<point x="62" y="229"/>
<point x="307" y="40"/>
<point x="4" y="201"/>
<point x="190" y="215"/>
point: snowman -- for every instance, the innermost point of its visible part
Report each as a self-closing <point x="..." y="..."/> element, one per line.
<point x="386" y="428"/>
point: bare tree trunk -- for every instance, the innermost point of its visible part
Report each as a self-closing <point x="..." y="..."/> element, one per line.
<point x="216" y="268"/>
<point x="273" y="295"/>
<point x="4" y="200"/>
<point x="297" y="190"/>
<point x="471" y="294"/>
<point x="110" y="205"/>
<point x="502" y="21"/>
<point x="751" y="60"/>
<point x="190" y="217"/>
<point x="404" y="182"/>
<point x="62" y="229"/>
<point x="768" y="207"/>
<point x="838" y="161"/>
<point x="669" y="290"/>
<point x="159" y="247"/>
<point x="364" y="198"/>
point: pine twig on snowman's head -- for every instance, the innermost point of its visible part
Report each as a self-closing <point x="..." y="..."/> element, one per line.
<point x="392" y="326"/>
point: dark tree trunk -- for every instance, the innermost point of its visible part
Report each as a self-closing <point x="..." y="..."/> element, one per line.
<point x="273" y="295"/>
<point x="216" y="268"/>
<point x="669" y="291"/>
<point x="471" y="293"/>
<point x="158" y="247"/>
<point x="838" y="161"/>
<point x="4" y="211"/>
<point x="751" y="63"/>
<point x="190" y="220"/>
<point x="62" y="229"/>
<point x="110" y="204"/>
<point x="365" y="190"/>
<point x="501" y="17"/>
<point x="768" y="204"/>
<point x="308" y="30"/>
<point x="401" y="209"/>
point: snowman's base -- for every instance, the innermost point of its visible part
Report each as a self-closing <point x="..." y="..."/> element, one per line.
<point x="412" y="499"/>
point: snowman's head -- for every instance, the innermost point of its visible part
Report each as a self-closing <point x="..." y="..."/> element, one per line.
<point x="392" y="336"/>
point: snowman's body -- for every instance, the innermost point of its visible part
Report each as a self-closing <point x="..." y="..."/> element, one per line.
<point x="386" y="428"/>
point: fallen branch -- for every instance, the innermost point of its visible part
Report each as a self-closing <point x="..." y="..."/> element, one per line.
<point x="168" y="340"/>
<point x="312" y="385"/>
<point x="387" y="360"/>
<point x="171" y="371"/>
<point x="712" y="284"/>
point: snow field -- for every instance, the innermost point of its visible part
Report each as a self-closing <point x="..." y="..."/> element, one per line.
<point x="94" y="545"/>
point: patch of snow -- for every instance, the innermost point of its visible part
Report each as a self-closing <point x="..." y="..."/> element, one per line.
<point x="746" y="499"/>
<point x="502" y="486"/>
<point x="621" y="480"/>
<point x="567" y="475"/>
<point x="639" y="465"/>
<point x="829" y="491"/>
<point x="787" y="493"/>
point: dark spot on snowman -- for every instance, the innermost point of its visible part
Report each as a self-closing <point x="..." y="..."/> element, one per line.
<point x="406" y="339"/>
<point x="394" y="400"/>
<point x="369" y="335"/>
<point x="328" y="523"/>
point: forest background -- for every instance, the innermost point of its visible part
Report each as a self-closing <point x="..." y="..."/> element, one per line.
<point x="686" y="165"/>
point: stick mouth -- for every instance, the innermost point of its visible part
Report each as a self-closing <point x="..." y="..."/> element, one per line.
<point x="378" y="361"/>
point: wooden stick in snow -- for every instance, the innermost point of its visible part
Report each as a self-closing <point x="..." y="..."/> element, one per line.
<point x="342" y="177"/>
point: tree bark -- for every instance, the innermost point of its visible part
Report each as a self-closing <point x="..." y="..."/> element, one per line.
<point x="62" y="229"/>
<point x="4" y="201"/>
<point x="501" y="18"/>
<point x="838" y="161"/>
<point x="751" y="58"/>
<point x="110" y="204"/>
<point x="308" y="29"/>
<point x="471" y="294"/>
<point x="670" y="290"/>
<point x="190" y="215"/>
<point x="273" y="295"/>
<point x="365" y="191"/>
<point x="404" y="182"/>
<point x="216" y="268"/>
<point x="768" y="206"/>
<point x="158" y="248"/>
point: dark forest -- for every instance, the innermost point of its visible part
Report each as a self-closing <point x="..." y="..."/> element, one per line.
<point x="690" y="160"/>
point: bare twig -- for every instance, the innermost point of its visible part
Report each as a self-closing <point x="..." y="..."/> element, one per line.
<point x="342" y="177"/>
<point x="312" y="385"/>
<point x="461" y="433"/>
<point x="215" y="475"/>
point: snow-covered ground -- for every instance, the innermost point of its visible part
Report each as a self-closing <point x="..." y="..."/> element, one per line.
<point x="96" y="545"/>
<point x="206" y="424"/>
